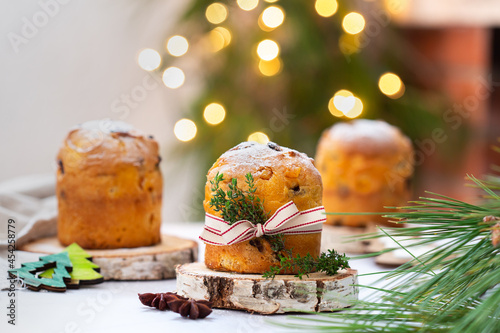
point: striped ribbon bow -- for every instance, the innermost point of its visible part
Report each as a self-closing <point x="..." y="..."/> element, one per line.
<point x="286" y="220"/>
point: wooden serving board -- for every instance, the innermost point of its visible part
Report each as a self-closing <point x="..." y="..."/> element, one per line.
<point x="142" y="263"/>
<point x="253" y="293"/>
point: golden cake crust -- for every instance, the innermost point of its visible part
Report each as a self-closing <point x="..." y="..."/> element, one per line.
<point x="281" y="175"/>
<point x="365" y="165"/>
<point x="109" y="187"/>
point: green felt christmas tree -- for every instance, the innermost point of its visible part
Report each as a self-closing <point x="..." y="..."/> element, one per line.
<point x="84" y="270"/>
<point x="59" y="263"/>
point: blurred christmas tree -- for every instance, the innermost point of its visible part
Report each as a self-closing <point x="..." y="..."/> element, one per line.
<point x="284" y="71"/>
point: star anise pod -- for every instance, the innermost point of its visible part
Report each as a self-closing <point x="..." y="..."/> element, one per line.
<point x="191" y="308"/>
<point x="159" y="300"/>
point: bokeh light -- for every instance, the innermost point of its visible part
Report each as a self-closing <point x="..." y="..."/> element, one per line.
<point x="149" y="59"/>
<point x="214" y="113"/>
<point x="391" y="85"/>
<point x="185" y="130"/>
<point x="219" y="38"/>
<point x="333" y="110"/>
<point x="326" y="8"/>
<point x="173" y="77"/>
<point x="343" y="100"/>
<point x="273" y="17"/>
<point x="353" y="23"/>
<point x="268" y="50"/>
<point x="177" y="46"/>
<point x="247" y="4"/>
<point x="397" y="7"/>
<point x="349" y="44"/>
<point x="259" y="137"/>
<point x="344" y="103"/>
<point x="356" y="110"/>
<point x="270" y="68"/>
<point x="216" y="13"/>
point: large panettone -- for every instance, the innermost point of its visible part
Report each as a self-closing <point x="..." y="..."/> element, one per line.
<point x="281" y="175"/>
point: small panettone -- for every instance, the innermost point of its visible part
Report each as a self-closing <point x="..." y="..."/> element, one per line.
<point x="366" y="165"/>
<point x="109" y="187"/>
<point x="281" y="175"/>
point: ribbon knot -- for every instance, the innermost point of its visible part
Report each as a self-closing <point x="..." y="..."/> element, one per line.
<point x="287" y="220"/>
<point x="260" y="230"/>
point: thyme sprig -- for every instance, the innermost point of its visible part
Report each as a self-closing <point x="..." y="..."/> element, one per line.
<point x="236" y="204"/>
<point x="329" y="263"/>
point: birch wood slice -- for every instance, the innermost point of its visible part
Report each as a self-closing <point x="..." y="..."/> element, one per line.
<point x="251" y="292"/>
<point x="141" y="263"/>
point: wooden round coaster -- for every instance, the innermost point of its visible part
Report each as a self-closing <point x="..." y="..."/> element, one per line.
<point x="141" y="263"/>
<point x="251" y="292"/>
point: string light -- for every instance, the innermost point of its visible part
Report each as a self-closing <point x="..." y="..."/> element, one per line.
<point x="353" y="23"/>
<point x="273" y="17"/>
<point x="177" y="46"/>
<point x="271" y="1"/>
<point x="149" y="59"/>
<point x="216" y="13"/>
<point x="391" y="85"/>
<point x="270" y="68"/>
<point x="173" y="77"/>
<point x="356" y="110"/>
<point x="326" y="8"/>
<point x="214" y="113"/>
<point x="258" y="137"/>
<point x="185" y="130"/>
<point x="268" y="50"/>
<point x="247" y="4"/>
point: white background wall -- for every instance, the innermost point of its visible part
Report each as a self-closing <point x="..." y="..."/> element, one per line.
<point x="72" y="69"/>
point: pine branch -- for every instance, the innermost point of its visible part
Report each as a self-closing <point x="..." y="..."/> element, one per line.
<point x="461" y="296"/>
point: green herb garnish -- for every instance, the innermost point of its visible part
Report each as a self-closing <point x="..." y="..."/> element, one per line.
<point x="236" y="204"/>
<point x="329" y="263"/>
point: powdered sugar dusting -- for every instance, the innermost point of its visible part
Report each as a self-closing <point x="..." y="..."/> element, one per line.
<point x="253" y="156"/>
<point x="366" y="130"/>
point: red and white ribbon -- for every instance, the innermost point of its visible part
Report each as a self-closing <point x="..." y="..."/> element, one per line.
<point x="286" y="220"/>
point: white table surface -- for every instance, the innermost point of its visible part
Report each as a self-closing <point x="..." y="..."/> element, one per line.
<point x="114" y="306"/>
